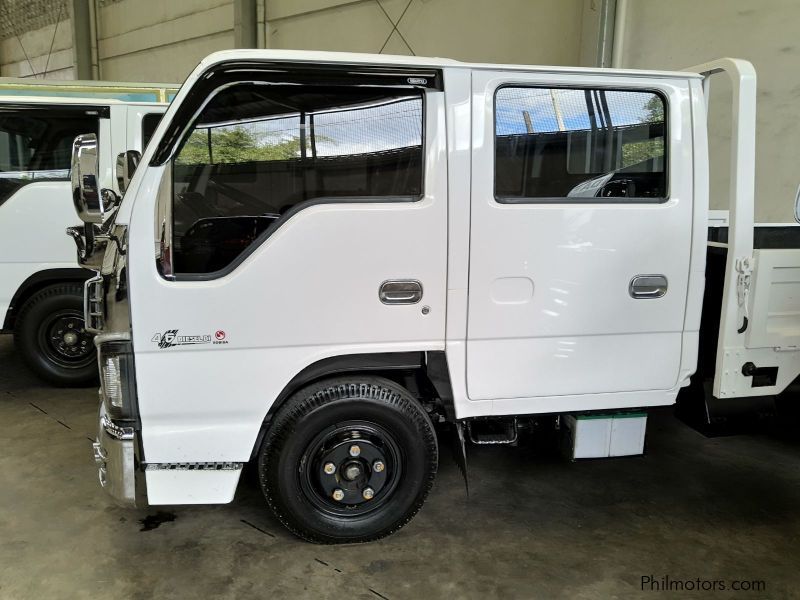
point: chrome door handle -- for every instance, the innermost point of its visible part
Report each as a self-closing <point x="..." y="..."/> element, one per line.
<point x="648" y="286"/>
<point x="400" y="291"/>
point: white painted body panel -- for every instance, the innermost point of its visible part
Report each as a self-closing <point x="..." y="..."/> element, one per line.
<point x="772" y="337"/>
<point x="170" y="486"/>
<point x="310" y="291"/>
<point x="775" y="306"/>
<point x="761" y="286"/>
<point x="549" y="307"/>
<point x="46" y="209"/>
<point x="43" y="210"/>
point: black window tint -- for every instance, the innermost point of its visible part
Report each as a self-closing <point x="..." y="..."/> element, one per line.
<point x="36" y="144"/>
<point x="149" y="123"/>
<point x="258" y="151"/>
<point x="578" y="144"/>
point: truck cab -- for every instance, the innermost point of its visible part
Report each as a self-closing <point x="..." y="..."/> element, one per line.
<point x="323" y="255"/>
<point x="41" y="284"/>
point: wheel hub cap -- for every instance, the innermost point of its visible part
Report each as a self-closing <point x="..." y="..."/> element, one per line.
<point x="352" y="471"/>
<point x="342" y="481"/>
<point x="65" y="341"/>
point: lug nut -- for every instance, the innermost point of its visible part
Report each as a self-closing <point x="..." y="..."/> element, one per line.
<point x="378" y="466"/>
<point x="329" y="468"/>
<point x="355" y="450"/>
<point x="368" y="493"/>
<point x="338" y="495"/>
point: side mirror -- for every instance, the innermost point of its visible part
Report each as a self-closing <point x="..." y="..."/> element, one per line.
<point x="86" y="196"/>
<point x="126" y="165"/>
<point x="797" y="205"/>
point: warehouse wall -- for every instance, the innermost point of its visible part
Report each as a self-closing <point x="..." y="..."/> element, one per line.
<point x="154" y="40"/>
<point x="681" y="33"/>
<point x="528" y="31"/>
<point x="157" y="40"/>
<point x="36" y="39"/>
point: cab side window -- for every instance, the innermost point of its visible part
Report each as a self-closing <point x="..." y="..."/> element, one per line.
<point x="573" y="145"/>
<point x="36" y="143"/>
<point x="259" y="153"/>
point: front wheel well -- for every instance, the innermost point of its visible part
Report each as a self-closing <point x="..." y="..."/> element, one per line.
<point x="36" y="283"/>
<point x="423" y="374"/>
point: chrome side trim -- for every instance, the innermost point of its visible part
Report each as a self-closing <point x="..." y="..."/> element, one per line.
<point x="194" y="466"/>
<point x="115" y="455"/>
<point x="115" y="431"/>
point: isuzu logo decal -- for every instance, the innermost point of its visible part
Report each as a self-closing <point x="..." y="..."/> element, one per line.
<point x="171" y="338"/>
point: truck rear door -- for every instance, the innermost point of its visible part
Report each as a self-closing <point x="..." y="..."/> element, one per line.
<point x="581" y="234"/>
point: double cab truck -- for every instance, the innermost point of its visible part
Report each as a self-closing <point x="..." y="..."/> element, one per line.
<point x="323" y="255"/>
<point x="41" y="284"/>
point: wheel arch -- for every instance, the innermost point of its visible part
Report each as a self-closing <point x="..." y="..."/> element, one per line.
<point x="37" y="282"/>
<point x="431" y="367"/>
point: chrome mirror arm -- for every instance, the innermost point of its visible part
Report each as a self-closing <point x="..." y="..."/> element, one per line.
<point x="76" y="233"/>
<point x="111" y="200"/>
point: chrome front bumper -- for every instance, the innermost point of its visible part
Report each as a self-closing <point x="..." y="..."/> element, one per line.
<point x="115" y="455"/>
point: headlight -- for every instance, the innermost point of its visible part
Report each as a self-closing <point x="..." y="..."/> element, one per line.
<point x="117" y="381"/>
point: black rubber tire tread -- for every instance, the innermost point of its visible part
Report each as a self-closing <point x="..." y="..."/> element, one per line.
<point x="25" y="334"/>
<point x="325" y="394"/>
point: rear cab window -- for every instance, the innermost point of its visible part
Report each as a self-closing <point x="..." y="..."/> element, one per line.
<point x="555" y="144"/>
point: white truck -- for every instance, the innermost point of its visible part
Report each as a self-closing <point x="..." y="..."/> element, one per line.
<point x="41" y="284"/>
<point x="322" y="255"/>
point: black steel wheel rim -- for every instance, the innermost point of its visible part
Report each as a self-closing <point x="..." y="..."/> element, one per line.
<point x="64" y="340"/>
<point x="351" y="469"/>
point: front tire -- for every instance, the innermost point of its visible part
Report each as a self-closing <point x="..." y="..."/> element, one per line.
<point x="348" y="460"/>
<point x="51" y="336"/>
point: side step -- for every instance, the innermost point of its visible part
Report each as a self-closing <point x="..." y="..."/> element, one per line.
<point x="493" y="431"/>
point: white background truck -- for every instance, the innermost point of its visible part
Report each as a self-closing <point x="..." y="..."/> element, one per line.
<point x="321" y="255"/>
<point x="41" y="284"/>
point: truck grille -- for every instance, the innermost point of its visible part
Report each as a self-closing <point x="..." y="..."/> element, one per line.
<point x="93" y="304"/>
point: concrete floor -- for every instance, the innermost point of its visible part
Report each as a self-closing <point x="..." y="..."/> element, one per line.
<point x="534" y="526"/>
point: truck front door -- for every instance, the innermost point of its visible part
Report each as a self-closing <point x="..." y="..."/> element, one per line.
<point x="292" y="202"/>
<point x="581" y="235"/>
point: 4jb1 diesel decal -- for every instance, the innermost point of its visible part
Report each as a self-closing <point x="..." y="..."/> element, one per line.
<point x="171" y="338"/>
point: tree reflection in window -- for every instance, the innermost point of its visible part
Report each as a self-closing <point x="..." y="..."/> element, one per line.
<point x="258" y="151"/>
